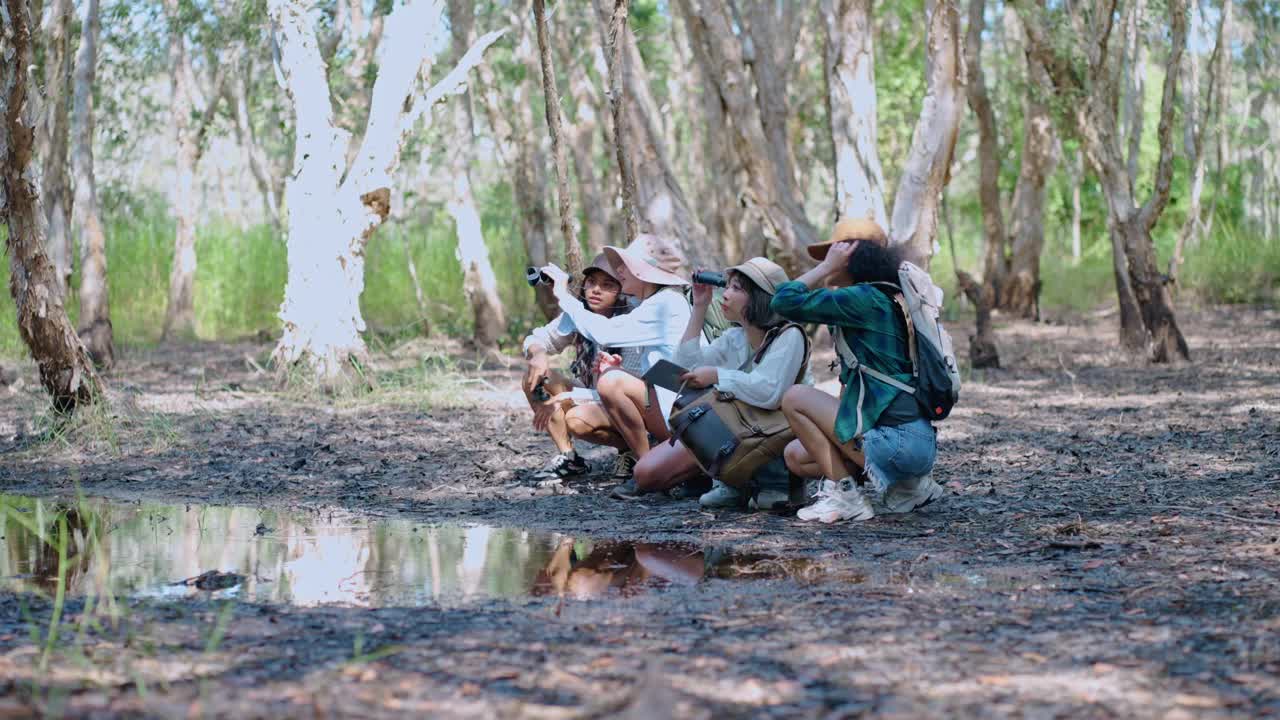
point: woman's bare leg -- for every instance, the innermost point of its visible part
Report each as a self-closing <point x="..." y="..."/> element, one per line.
<point x="624" y="397"/>
<point x="812" y="414"/>
<point x="799" y="461"/>
<point x="591" y="423"/>
<point x="665" y="466"/>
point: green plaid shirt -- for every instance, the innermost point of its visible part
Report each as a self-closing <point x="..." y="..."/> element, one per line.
<point x="868" y="319"/>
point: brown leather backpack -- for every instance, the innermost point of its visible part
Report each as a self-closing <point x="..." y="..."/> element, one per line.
<point x="730" y="439"/>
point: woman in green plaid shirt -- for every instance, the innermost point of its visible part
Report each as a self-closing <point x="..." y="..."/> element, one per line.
<point x="879" y="429"/>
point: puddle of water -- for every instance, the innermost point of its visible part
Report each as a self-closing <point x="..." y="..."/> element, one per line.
<point x="267" y="556"/>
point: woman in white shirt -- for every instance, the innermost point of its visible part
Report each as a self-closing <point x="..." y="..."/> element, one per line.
<point x="735" y="364"/>
<point x="574" y="412"/>
<point x="654" y="327"/>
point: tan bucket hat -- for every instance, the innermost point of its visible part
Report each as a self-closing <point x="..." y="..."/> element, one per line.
<point x="765" y="273"/>
<point x="850" y="229"/>
<point x="641" y="258"/>
<point x="601" y="263"/>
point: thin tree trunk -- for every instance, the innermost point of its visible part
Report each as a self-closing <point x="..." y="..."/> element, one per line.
<point x="179" y="317"/>
<point x="1134" y="89"/>
<point x="551" y="100"/>
<point x="269" y="183"/>
<point x="1077" y="178"/>
<point x="56" y="191"/>
<point x="851" y="107"/>
<point x="1020" y="288"/>
<point x="927" y="168"/>
<point x="65" y="368"/>
<point x="615" y="47"/>
<point x="479" y="282"/>
<point x="582" y="142"/>
<point x="95" y="311"/>
<point x="984" y="295"/>
<point x="771" y="187"/>
<point x="661" y="207"/>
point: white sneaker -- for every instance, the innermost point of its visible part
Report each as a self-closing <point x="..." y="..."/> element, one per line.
<point x="837" y="501"/>
<point x="722" y="496"/>
<point x="908" y="495"/>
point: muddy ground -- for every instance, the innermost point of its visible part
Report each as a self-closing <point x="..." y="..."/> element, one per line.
<point x="1109" y="546"/>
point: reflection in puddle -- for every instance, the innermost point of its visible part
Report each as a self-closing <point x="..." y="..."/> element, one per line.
<point x="267" y="556"/>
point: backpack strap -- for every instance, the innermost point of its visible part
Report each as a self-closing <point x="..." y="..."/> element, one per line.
<point x="775" y="333"/>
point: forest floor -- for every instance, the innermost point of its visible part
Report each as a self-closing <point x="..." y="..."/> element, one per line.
<point x="1109" y="546"/>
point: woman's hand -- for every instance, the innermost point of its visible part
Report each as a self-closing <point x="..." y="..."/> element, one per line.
<point x="701" y="377"/>
<point x="606" y="361"/>
<point x="559" y="278"/>
<point x="539" y="366"/>
<point x="837" y="258"/>
<point x="702" y="295"/>
<point x="542" y="412"/>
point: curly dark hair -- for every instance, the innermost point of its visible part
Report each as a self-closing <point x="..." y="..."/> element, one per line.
<point x="872" y="262"/>
<point x="757" y="312"/>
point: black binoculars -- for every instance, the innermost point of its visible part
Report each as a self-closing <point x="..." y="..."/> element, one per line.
<point x="536" y="277"/>
<point x="710" y="277"/>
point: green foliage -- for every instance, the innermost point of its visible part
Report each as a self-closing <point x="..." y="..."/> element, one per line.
<point x="1234" y="266"/>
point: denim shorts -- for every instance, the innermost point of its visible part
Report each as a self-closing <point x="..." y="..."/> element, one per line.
<point x="900" y="452"/>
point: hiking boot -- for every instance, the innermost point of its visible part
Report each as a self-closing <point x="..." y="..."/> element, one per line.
<point x="770" y="499"/>
<point x="722" y="496"/>
<point x="837" y="501"/>
<point x="563" y="465"/>
<point x="626" y="490"/>
<point x="912" y="494"/>
<point x="624" y="465"/>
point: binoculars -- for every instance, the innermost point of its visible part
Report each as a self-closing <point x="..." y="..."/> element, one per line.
<point x="536" y="277"/>
<point x="710" y="277"/>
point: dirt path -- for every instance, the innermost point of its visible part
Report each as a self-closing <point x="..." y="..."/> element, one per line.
<point x="1110" y="546"/>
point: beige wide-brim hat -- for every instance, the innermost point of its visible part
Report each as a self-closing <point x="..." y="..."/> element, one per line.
<point x="847" y="230"/>
<point x="642" y="260"/>
<point x="765" y="273"/>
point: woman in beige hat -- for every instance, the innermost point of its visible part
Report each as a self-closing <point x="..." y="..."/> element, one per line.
<point x="757" y="360"/>
<point x="654" y="328"/>
<point x="574" y="411"/>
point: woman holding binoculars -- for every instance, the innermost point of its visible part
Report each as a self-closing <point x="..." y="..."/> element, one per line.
<point x="547" y="390"/>
<point x="755" y="361"/>
<point x="654" y="328"/>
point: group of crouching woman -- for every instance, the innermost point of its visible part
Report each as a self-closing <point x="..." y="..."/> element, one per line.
<point x="871" y="445"/>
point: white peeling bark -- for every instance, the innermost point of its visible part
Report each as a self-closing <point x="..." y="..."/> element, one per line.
<point x="928" y="165"/>
<point x="851" y="107"/>
<point x="94" y="324"/>
<point x="332" y="211"/>
<point x="55" y="189"/>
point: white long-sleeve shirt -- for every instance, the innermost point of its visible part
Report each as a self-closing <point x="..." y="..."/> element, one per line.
<point x="655" y="327"/>
<point x="559" y="334"/>
<point x="761" y="385"/>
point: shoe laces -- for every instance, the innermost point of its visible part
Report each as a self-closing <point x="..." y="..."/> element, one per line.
<point x="623" y="463"/>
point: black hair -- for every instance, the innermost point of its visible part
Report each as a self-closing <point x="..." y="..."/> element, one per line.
<point x="872" y="262"/>
<point x="621" y="303"/>
<point x="757" y="311"/>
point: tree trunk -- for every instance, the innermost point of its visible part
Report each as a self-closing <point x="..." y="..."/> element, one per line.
<point x="179" y="316"/>
<point x="551" y="100"/>
<point x="771" y="186"/>
<point x="334" y="209"/>
<point x="479" y="282"/>
<point x="65" y="369"/>
<point x="927" y="168"/>
<point x="1077" y="178"/>
<point x="982" y="346"/>
<point x="582" y="143"/>
<point x="269" y="183"/>
<point x="1134" y="88"/>
<point x="1140" y="286"/>
<point x="851" y="107"/>
<point x="1020" y="289"/>
<point x="95" y="312"/>
<point x="56" y="191"/>
<point x="661" y="206"/>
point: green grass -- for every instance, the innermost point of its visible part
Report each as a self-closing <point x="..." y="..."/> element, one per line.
<point x="241" y="272"/>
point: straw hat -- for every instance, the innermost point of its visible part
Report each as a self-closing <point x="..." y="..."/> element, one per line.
<point x="642" y="260"/>
<point x="765" y="273"/>
<point x="850" y="229"/>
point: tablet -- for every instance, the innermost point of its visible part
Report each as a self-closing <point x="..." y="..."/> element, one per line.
<point x="665" y="374"/>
